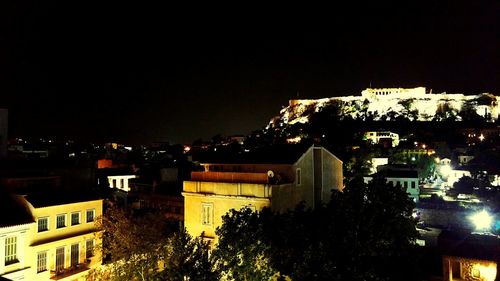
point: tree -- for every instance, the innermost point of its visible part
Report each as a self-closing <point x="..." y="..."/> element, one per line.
<point x="132" y="244"/>
<point x="188" y="259"/>
<point x="366" y="232"/>
<point x="241" y="251"/>
<point x="143" y="247"/>
<point x="464" y="185"/>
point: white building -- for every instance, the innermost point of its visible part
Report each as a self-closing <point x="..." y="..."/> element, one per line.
<point x="376" y="137"/>
<point x="120" y="182"/>
<point x="407" y="179"/>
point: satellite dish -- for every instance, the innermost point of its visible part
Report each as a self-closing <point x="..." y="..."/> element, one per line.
<point x="270" y="174"/>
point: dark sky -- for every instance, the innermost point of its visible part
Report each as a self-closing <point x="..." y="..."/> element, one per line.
<point x="142" y="73"/>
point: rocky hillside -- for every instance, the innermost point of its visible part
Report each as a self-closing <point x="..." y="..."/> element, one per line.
<point x="391" y="105"/>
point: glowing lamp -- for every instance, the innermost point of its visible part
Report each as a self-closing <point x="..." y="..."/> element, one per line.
<point x="482" y="220"/>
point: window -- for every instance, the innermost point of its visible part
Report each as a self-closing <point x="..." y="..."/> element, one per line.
<point x="89" y="248"/>
<point x="41" y="262"/>
<point x="90" y="215"/>
<point x="207" y="214"/>
<point x="61" y="221"/>
<point x="406" y="184"/>
<point x="43" y="224"/>
<point x="75" y="218"/>
<point x="413" y="185"/>
<point x="59" y="259"/>
<point x="75" y="254"/>
<point x="10" y="250"/>
<point x="298" y="176"/>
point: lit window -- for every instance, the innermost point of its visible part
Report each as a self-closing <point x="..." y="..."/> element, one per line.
<point x="75" y="254"/>
<point x="43" y="224"/>
<point x="10" y="250"/>
<point x="59" y="259"/>
<point x="89" y="248"/>
<point x="75" y="218"/>
<point x="298" y="176"/>
<point x="90" y="215"/>
<point x="207" y="214"/>
<point x="41" y="262"/>
<point x="61" y="221"/>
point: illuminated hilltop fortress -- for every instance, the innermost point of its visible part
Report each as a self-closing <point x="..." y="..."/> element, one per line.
<point x="388" y="104"/>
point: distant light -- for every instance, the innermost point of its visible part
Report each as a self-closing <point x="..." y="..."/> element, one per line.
<point x="294" y="140"/>
<point x="247" y="150"/>
<point x="424" y="146"/>
<point x="413" y="158"/>
<point x="129" y="148"/>
<point x="481" y="137"/>
<point x="482" y="220"/>
<point x="72" y="154"/>
<point x="187" y="149"/>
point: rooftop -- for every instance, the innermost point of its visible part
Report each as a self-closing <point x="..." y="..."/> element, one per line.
<point x="58" y="197"/>
<point x="17" y="212"/>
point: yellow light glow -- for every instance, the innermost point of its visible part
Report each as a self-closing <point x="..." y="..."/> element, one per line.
<point x="293" y="140"/>
<point x="486" y="272"/>
<point x="482" y="220"/>
<point x="481" y="137"/>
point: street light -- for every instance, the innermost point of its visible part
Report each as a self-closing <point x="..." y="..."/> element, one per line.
<point x="482" y="220"/>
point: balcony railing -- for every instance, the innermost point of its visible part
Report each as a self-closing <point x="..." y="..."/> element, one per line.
<point x="233" y="177"/>
<point x="63" y="273"/>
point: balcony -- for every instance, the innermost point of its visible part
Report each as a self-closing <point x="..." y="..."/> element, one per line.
<point x="63" y="273"/>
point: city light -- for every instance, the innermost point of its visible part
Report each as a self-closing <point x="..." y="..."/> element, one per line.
<point x="482" y="220"/>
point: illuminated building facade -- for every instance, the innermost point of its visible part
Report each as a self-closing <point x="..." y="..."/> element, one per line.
<point x="470" y="257"/>
<point x="377" y="137"/>
<point x="57" y="243"/>
<point x="212" y="193"/>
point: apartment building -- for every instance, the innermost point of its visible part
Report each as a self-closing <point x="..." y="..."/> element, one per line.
<point x="57" y="242"/>
<point x="308" y="176"/>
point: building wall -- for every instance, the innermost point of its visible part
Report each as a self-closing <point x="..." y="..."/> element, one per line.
<point x="413" y="193"/>
<point x="120" y="182"/>
<point x="458" y="268"/>
<point x="17" y="270"/>
<point x="48" y="241"/>
<point x="222" y="197"/>
<point x="407" y="183"/>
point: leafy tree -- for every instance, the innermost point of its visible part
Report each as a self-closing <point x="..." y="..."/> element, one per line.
<point x="366" y="232"/>
<point x="241" y="249"/>
<point x="133" y="245"/>
<point x="188" y="258"/>
<point x="143" y="247"/>
<point x="464" y="185"/>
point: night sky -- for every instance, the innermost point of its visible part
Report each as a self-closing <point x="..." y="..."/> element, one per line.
<point x="144" y="73"/>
